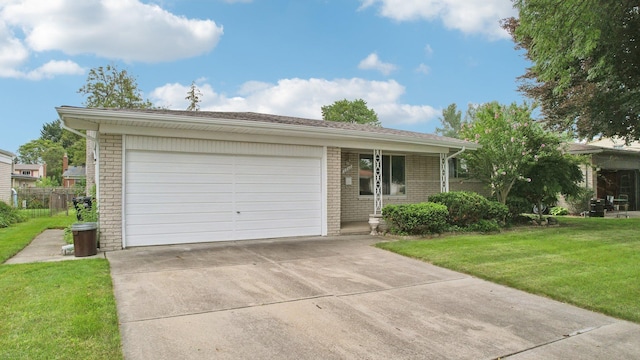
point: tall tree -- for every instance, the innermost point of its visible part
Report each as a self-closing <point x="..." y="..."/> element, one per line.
<point x="194" y="96"/>
<point x="110" y="87"/>
<point x="451" y="121"/>
<point x="512" y="143"/>
<point x="355" y="112"/>
<point x="586" y="63"/>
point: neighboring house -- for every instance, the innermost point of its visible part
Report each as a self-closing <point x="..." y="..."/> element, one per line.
<point x="167" y="177"/>
<point x="613" y="173"/>
<point x="6" y="163"/>
<point x="71" y="174"/>
<point x="26" y="175"/>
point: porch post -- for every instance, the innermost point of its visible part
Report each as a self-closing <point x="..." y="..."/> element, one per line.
<point x="374" y="219"/>
<point x="444" y="173"/>
<point x="377" y="180"/>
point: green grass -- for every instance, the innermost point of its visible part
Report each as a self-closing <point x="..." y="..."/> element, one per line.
<point x="14" y="238"/>
<point x="55" y="310"/>
<point x="61" y="310"/>
<point x="593" y="263"/>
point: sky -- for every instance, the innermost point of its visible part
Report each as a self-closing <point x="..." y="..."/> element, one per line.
<point x="408" y="59"/>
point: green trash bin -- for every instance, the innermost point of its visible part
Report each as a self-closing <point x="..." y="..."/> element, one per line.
<point x="85" y="242"/>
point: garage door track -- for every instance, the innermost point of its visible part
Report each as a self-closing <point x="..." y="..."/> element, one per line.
<point x="338" y="298"/>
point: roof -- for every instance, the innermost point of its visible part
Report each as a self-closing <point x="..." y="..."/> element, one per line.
<point x="74" y="172"/>
<point x="27" y="166"/>
<point x="6" y="157"/>
<point x="24" y="177"/>
<point x="246" y="123"/>
<point x="7" y="153"/>
<point x="577" y="149"/>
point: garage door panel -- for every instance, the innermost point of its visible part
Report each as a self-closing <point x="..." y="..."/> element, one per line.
<point x="180" y="208"/>
<point x="185" y="197"/>
<point x="189" y="218"/>
<point x="184" y="229"/>
<point x="170" y="199"/>
<point x="178" y="189"/>
<point x="178" y="178"/>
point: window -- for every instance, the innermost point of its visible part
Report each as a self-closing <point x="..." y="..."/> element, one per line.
<point x="393" y="175"/>
<point x="26" y="172"/>
<point x="458" y="168"/>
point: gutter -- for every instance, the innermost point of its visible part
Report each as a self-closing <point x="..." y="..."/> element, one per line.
<point x="64" y="126"/>
<point x="456" y="154"/>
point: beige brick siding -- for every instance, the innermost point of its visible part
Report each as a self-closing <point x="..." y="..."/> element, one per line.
<point x="5" y="182"/>
<point x="469" y="185"/>
<point x="110" y="197"/>
<point x="422" y="179"/>
<point x="333" y="191"/>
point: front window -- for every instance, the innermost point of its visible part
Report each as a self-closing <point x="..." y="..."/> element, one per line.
<point x="393" y="175"/>
<point x="26" y="172"/>
<point x="458" y="168"/>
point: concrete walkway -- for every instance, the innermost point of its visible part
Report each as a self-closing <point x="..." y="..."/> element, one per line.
<point x="46" y="247"/>
<point x="339" y="298"/>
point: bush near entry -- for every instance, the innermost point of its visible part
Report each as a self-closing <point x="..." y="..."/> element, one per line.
<point x="466" y="208"/>
<point x="416" y="219"/>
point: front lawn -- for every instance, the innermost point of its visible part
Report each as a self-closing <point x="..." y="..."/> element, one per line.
<point x="593" y="263"/>
<point x="55" y="310"/>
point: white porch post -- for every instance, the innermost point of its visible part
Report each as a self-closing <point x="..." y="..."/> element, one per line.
<point x="377" y="181"/>
<point x="374" y="219"/>
<point x="444" y="173"/>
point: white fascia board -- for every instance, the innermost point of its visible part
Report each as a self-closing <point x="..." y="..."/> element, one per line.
<point x="150" y="120"/>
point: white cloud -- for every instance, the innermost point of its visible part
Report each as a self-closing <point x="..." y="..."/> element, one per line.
<point x="372" y="62"/>
<point x="424" y="69"/>
<point x="469" y="17"/>
<point x="428" y="50"/>
<point x="303" y="98"/>
<point x="53" y="68"/>
<point x="126" y="30"/>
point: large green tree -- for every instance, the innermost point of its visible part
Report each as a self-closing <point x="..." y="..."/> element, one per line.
<point x="451" y="121"/>
<point x="110" y="87"/>
<point x="586" y="63"/>
<point x="512" y="145"/>
<point x="355" y="112"/>
<point x="42" y="151"/>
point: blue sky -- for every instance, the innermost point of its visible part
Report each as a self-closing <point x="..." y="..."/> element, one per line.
<point x="407" y="59"/>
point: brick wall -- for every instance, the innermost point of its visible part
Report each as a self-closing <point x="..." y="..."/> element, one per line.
<point x="333" y="191"/>
<point x="422" y="179"/>
<point x="110" y="197"/>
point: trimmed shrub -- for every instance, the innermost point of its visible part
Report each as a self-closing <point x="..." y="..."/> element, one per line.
<point x="416" y="219"/>
<point x="558" y="211"/>
<point x="9" y="215"/>
<point x="485" y="226"/>
<point x="467" y="208"/>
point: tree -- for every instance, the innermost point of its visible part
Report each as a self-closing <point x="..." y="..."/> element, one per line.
<point x="586" y="63"/>
<point x="556" y="173"/>
<point x="511" y="144"/>
<point x="193" y="95"/>
<point x="451" y="121"/>
<point x="51" y="131"/>
<point x="355" y="112"/>
<point x="109" y="87"/>
<point x="42" y="151"/>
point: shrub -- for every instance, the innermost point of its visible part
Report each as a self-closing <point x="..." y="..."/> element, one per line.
<point x="466" y="208"/>
<point x="581" y="201"/>
<point x="416" y="219"/>
<point x="9" y="215"/>
<point x="558" y="211"/>
<point x="518" y="205"/>
<point x="485" y="226"/>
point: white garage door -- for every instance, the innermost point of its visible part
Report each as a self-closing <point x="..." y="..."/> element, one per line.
<point x="173" y="198"/>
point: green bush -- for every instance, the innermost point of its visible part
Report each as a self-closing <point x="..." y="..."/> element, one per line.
<point x="466" y="208"/>
<point x="581" y="201"/>
<point x="518" y="205"/>
<point x="558" y="211"/>
<point x="485" y="226"/>
<point x="416" y="219"/>
<point x="9" y="215"/>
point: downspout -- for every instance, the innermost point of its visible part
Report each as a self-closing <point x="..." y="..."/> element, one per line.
<point x="446" y="163"/>
<point x="95" y="152"/>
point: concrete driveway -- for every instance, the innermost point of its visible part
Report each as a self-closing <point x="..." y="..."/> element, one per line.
<point x="339" y="298"/>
